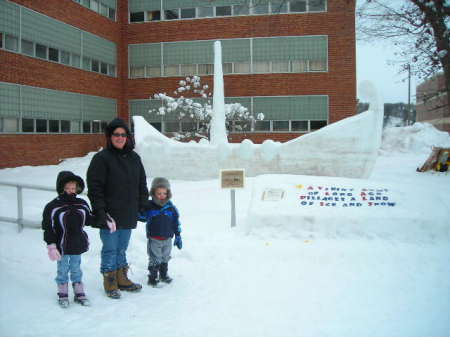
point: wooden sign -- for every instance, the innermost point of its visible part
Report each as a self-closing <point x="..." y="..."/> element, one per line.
<point x="232" y="178"/>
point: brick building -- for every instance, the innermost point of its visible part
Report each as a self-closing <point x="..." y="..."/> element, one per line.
<point x="70" y="66"/>
<point x="433" y="104"/>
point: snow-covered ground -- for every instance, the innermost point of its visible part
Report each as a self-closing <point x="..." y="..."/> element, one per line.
<point x="257" y="279"/>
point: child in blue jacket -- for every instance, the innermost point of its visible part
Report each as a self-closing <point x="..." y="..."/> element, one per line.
<point x="161" y="217"/>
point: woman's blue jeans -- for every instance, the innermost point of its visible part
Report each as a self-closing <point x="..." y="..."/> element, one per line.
<point x="114" y="249"/>
<point x="69" y="264"/>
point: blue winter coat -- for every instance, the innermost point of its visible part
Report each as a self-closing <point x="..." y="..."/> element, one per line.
<point x="162" y="221"/>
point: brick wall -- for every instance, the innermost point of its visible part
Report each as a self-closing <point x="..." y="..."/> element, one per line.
<point x="19" y="150"/>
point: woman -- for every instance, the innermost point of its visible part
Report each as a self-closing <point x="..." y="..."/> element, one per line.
<point x="117" y="189"/>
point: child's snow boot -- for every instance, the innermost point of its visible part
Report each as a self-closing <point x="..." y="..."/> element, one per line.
<point x="110" y="284"/>
<point x="79" y="295"/>
<point x="124" y="283"/>
<point x="153" y="276"/>
<point x="63" y="295"/>
<point x="163" y="268"/>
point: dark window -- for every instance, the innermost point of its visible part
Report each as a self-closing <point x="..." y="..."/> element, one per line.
<point x="86" y="63"/>
<point x="103" y="68"/>
<point x="41" y="51"/>
<point x="112" y="70"/>
<point x="280" y="125"/>
<point x="171" y="14"/>
<point x="157" y="125"/>
<point x="316" y="125"/>
<point x="65" y="126"/>
<point x="298" y="6"/>
<point x="316" y="5"/>
<point x="1" y="40"/>
<point x="154" y="15"/>
<point x="86" y="126"/>
<point x="137" y="17"/>
<point x="299" y="125"/>
<point x="95" y="66"/>
<point x="95" y="126"/>
<point x="41" y="125"/>
<point x="171" y="126"/>
<point x="27" y="47"/>
<point x="187" y="13"/>
<point x="188" y="126"/>
<point x="103" y="125"/>
<point x="53" y="126"/>
<point x="112" y="14"/>
<point x="27" y="125"/>
<point x="262" y="126"/>
<point x="223" y="10"/>
<point x="53" y="54"/>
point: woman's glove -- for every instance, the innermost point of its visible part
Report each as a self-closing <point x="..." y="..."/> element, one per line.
<point x="110" y="223"/>
<point x="178" y="242"/>
<point x="53" y="253"/>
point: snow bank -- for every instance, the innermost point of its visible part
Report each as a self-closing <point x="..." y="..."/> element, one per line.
<point x="417" y="138"/>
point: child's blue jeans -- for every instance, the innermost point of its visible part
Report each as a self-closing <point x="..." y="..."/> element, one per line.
<point x="114" y="249"/>
<point x="69" y="264"/>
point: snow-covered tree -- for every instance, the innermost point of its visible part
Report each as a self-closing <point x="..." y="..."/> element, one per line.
<point x="197" y="108"/>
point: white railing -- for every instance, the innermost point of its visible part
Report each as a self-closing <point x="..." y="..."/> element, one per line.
<point x="20" y="221"/>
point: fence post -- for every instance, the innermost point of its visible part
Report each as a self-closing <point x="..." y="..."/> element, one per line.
<point x="19" y="208"/>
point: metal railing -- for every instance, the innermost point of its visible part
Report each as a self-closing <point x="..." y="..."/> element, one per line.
<point x="20" y="221"/>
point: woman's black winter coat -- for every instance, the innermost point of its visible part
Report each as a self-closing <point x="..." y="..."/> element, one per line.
<point x="117" y="185"/>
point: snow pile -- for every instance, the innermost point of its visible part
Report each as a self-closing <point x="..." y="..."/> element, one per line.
<point x="417" y="138"/>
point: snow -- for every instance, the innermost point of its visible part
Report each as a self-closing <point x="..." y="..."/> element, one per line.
<point x="286" y="269"/>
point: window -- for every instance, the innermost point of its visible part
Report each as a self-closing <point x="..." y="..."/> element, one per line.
<point x="75" y="126"/>
<point x="280" y="66"/>
<point x="103" y="126"/>
<point x="223" y="10"/>
<point x="41" y="51"/>
<point x="171" y="126"/>
<point x="260" y="9"/>
<point x="299" y="66"/>
<point x="10" y="125"/>
<point x="227" y="68"/>
<point x="1" y="40"/>
<point x="11" y="42"/>
<point x="187" y="13"/>
<point x="316" y="5"/>
<point x="86" y="126"/>
<point x="204" y="12"/>
<point x="65" y="126"/>
<point x="280" y="125"/>
<point x="112" y="13"/>
<point x="86" y="63"/>
<point x="188" y="126"/>
<point x="76" y="60"/>
<point x="262" y="126"/>
<point x="94" y="5"/>
<point x="86" y="3"/>
<point x="317" y="65"/>
<point x="241" y="67"/>
<point x="206" y="69"/>
<point x="298" y="6"/>
<point x="241" y="126"/>
<point x="95" y="66"/>
<point x="103" y="68"/>
<point x="153" y="71"/>
<point x="96" y="127"/>
<point x="27" y="125"/>
<point x="41" y="125"/>
<point x="53" y="54"/>
<point x="137" y="72"/>
<point x="316" y="125"/>
<point x="241" y="9"/>
<point x="157" y="125"/>
<point x="27" y="47"/>
<point x="112" y="70"/>
<point x="154" y="15"/>
<point x="299" y="125"/>
<point x="171" y="14"/>
<point x="279" y="7"/>
<point x="103" y="10"/>
<point x="65" y="57"/>
<point x="188" y="69"/>
<point x="137" y="17"/>
<point x="171" y="70"/>
<point x="261" y="67"/>
<point x="53" y="126"/>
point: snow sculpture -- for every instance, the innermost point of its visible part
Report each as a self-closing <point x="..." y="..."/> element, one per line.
<point x="347" y="148"/>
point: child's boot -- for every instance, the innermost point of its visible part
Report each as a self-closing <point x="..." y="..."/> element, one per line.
<point x="163" y="268"/>
<point x="153" y="276"/>
<point x="63" y="295"/>
<point x="124" y="283"/>
<point x="79" y="295"/>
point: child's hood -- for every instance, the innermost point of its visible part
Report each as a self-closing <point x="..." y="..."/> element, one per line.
<point x="64" y="177"/>
<point x="160" y="182"/>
